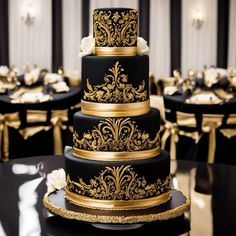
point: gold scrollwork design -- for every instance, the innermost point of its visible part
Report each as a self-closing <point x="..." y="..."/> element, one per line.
<point x="115" y="29"/>
<point x="116" y="135"/>
<point x="118" y="183"/>
<point x="116" y="88"/>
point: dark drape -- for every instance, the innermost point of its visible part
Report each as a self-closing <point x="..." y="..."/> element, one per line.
<point x="85" y="18"/>
<point x="144" y="19"/>
<point x="4" y="45"/>
<point x="222" y="33"/>
<point x="175" y="34"/>
<point x="57" y="45"/>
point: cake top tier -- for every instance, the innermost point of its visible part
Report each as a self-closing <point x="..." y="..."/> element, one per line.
<point x="115" y="31"/>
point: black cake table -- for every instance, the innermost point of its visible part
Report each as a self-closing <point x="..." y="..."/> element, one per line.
<point x="211" y="188"/>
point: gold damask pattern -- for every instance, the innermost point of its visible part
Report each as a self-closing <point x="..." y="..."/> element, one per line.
<point x="118" y="183"/>
<point x="116" y="135"/>
<point x="115" y="29"/>
<point x="115" y="89"/>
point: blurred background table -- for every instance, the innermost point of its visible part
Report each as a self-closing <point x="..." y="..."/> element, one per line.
<point x="43" y="128"/>
<point x="210" y="186"/>
<point x="206" y="132"/>
<point x="200" y="115"/>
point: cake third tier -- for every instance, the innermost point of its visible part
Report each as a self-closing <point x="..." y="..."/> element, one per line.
<point x="117" y="138"/>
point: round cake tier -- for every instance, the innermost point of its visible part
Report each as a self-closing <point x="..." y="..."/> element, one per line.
<point x="115" y="31"/>
<point x="117" y="138"/>
<point x="115" y="85"/>
<point x="117" y="185"/>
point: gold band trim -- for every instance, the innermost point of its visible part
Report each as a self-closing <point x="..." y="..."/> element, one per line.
<point x="116" y="204"/>
<point x="116" y="156"/>
<point x="115" y="51"/>
<point x="115" y="110"/>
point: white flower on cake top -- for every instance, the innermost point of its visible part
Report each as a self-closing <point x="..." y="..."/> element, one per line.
<point x="142" y="47"/>
<point x="87" y="46"/>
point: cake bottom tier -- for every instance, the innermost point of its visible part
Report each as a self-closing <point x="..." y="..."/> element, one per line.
<point x="117" y="185"/>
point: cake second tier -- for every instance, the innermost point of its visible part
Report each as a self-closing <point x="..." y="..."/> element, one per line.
<point x="117" y="138"/>
<point x="115" y="85"/>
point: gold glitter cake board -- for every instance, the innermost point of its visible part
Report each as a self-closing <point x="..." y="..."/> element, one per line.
<point x="57" y="204"/>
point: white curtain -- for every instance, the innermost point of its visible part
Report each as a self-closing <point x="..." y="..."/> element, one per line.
<point x="160" y="38"/>
<point x="109" y="3"/>
<point x="198" y="45"/>
<point x="30" y="44"/>
<point x="232" y="35"/>
<point x="72" y="33"/>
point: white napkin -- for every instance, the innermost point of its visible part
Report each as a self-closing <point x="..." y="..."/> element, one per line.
<point x="204" y="98"/>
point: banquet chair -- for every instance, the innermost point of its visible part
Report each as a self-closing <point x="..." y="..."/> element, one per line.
<point x="200" y="137"/>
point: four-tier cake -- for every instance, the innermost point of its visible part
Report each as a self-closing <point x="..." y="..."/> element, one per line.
<point x="116" y="163"/>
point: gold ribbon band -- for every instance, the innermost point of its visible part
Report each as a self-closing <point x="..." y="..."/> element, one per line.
<point x="116" y="204"/>
<point x="116" y="156"/>
<point x="115" y="110"/>
<point x="7" y="120"/>
<point x="116" y="51"/>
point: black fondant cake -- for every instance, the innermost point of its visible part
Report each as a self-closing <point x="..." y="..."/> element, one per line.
<point x="116" y="162"/>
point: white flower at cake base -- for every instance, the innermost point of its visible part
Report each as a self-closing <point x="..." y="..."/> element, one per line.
<point x="142" y="47"/>
<point x="87" y="46"/>
<point x="4" y="70"/>
<point x="56" y="180"/>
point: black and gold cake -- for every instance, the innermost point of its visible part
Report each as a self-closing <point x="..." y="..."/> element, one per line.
<point x="116" y="162"/>
<point x="116" y="171"/>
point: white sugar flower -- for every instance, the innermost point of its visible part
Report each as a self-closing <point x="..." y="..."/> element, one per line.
<point x="87" y="46"/>
<point x="142" y="47"/>
<point x="4" y="70"/>
<point x="56" y="180"/>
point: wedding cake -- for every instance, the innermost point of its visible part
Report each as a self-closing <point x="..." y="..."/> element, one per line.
<point x="116" y="162"/>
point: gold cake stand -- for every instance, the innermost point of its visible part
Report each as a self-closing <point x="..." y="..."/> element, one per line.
<point x="57" y="204"/>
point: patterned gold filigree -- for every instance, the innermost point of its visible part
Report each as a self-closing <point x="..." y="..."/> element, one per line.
<point x="116" y="135"/>
<point x="116" y="88"/>
<point x="115" y="29"/>
<point x="118" y="183"/>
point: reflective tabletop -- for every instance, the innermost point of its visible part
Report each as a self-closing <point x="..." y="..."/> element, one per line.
<point x="210" y="187"/>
